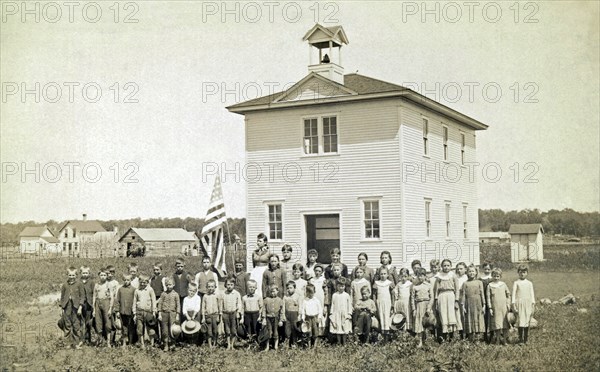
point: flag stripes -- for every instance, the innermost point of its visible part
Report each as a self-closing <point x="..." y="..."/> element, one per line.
<point x="212" y="234"/>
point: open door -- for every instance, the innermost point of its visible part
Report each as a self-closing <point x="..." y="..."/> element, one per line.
<point x="322" y="234"/>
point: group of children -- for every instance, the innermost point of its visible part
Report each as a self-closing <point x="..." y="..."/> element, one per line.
<point x="295" y="301"/>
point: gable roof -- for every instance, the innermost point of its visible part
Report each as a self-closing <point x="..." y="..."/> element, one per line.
<point x="334" y="33"/>
<point x="50" y="239"/>
<point x="532" y="228"/>
<point x="34" y="231"/>
<point x="83" y="226"/>
<point x="162" y="234"/>
<point x="364" y="88"/>
<point x="494" y="234"/>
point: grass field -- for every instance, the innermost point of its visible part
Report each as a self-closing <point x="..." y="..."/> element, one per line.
<point x="566" y="339"/>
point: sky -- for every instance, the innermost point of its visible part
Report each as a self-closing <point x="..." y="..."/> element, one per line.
<point x="119" y="111"/>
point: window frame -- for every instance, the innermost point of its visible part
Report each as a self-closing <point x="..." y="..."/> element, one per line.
<point x="425" y="128"/>
<point x="363" y="219"/>
<point x="445" y="136"/>
<point x="268" y="222"/>
<point x="465" y="206"/>
<point x="447" y="214"/>
<point x="321" y="136"/>
<point x="463" y="146"/>
<point x="427" y="218"/>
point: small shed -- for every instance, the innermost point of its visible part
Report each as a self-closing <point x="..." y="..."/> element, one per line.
<point x="38" y="240"/>
<point x="526" y="242"/>
<point x="494" y="237"/>
<point x="158" y="242"/>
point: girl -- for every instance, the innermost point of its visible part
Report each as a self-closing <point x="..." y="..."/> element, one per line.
<point x="260" y="261"/>
<point x="498" y="297"/>
<point x="523" y="302"/>
<point x="368" y="273"/>
<point x="461" y="275"/>
<point x="446" y="294"/>
<point x="274" y="276"/>
<point x="434" y="269"/>
<point x="486" y="278"/>
<point x="341" y="312"/>
<point x="298" y="273"/>
<point x="311" y="262"/>
<point x="415" y="265"/>
<point x="472" y="299"/>
<point x="420" y="300"/>
<point x="402" y="295"/>
<point x="319" y="282"/>
<point x="383" y="293"/>
<point x="336" y="254"/>
<point x="386" y="263"/>
<point x="357" y="284"/>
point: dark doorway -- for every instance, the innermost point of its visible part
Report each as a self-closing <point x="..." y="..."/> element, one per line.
<point x="322" y="234"/>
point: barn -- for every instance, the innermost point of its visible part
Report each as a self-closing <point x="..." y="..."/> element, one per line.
<point x="526" y="242"/>
<point x="158" y="242"/>
<point x="350" y="161"/>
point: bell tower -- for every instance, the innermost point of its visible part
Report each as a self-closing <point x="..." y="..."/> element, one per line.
<point x="328" y="41"/>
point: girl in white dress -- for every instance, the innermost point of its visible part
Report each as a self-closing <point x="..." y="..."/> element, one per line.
<point x="523" y="302"/>
<point x="319" y="281"/>
<point x="383" y="294"/>
<point x="402" y="295"/>
<point x="341" y="312"/>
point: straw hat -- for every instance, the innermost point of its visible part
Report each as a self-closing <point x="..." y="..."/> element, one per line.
<point x="189" y="327"/>
<point x="304" y="327"/>
<point x="533" y="323"/>
<point x="374" y="322"/>
<point x="175" y="331"/>
<point x="118" y="323"/>
<point x="512" y="319"/>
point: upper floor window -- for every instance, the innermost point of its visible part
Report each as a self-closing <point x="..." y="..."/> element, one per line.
<point x="465" y="221"/>
<point x="445" y="133"/>
<point x="428" y="218"/>
<point x="320" y="135"/>
<point x="462" y="148"/>
<point x="425" y="136"/>
<point x="447" y="219"/>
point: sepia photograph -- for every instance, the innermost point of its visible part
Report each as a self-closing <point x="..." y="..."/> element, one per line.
<point x="299" y="185"/>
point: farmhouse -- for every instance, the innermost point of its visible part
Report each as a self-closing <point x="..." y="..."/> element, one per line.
<point x="526" y="242"/>
<point x="494" y="237"/>
<point x="349" y="161"/>
<point x="101" y="244"/>
<point x="38" y="240"/>
<point x="72" y="233"/>
<point x="158" y="242"/>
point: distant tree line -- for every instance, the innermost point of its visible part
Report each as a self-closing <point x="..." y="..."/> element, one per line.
<point x="9" y="232"/>
<point x="565" y="222"/>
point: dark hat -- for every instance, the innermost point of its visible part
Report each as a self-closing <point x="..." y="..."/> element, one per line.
<point x="263" y="335"/>
<point x="429" y="321"/>
<point x="150" y="319"/>
<point x="61" y="324"/>
<point x="203" y="328"/>
<point x="241" y="330"/>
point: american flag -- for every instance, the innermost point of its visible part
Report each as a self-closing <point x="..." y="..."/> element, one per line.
<point x="211" y="238"/>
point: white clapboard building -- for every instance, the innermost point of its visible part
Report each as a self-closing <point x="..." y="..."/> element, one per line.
<point x="349" y="161"/>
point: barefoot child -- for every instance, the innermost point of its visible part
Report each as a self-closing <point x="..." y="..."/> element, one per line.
<point x="486" y="278"/>
<point x="421" y="303"/>
<point x="181" y="279"/>
<point x="103" y="305"/>
<point x="71" y="302"/>
<point x="212" y="312"/>
<point x="292" y="303"/>
<point x="383" y="293"/>
<point x="273" y="315"/>
<point x="312" y="314"/>
<point x="472" y="299"/>
<point x="168" y="312"/>
<point x="87" y="310"/>
<point x="523" y="302"/>
<point x="446" y="295"/>
<point x="364" y="309"/>
<point x="402" y="298"/>
<point x="461" y="275"/>
<point x="144" y="309"/>
<point x="232" y="311"/>
<point x="123" y="310"/>
<point x="341" y="312"/>
<point x="498" y="299"/>
<point x="318" y="283"/>
<point x="252" y="306"/>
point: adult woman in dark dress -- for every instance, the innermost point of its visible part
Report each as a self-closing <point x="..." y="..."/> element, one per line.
<point x="260" y="261"/>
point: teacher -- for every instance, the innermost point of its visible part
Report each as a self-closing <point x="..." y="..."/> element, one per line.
<point x="260" y="261"/>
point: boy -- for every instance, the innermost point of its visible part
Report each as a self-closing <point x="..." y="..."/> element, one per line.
<point x="144" y="308"/>
<point x="312" y="314"/>
<point x="158" y="280"/>
<point x="113" y="283"/>
<point x="102" y="303"/>
<point x="336" y="255"/>
<point x="181" y="280"/>
<point x="191" y="304"/>
<point x="124" y="308"/>
<point x="232" y="311"/>
<point x="364" y="309"/>
<point x="286" y="261"/>
<point x="292" y="303"/>
<point x="241" y="278"/>
<point x="252" y="305"/>
<point x="88" y="309"/>
<point x="273" y="314"/>
<point x="133" y="271"/>
<point x="204" y="276"/>
<point x="211" y="312"/>
<point x="71" y="302"/>
<point x="168" y="312"/>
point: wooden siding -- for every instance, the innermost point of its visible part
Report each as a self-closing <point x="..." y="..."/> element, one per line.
<point x="449" y="187"/>
<point x="366" y="166"/>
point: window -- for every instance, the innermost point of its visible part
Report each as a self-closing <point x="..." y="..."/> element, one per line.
<point x="371" y="219"/>
<point x="66" y="233"/>
<point x="428" y="218"/>
<point x="462" y="148"/>
<point x="330" y="134"/>
<point x="74" y="232"/>
<point x="320" y="135"/>
<point x="75" y="246"/>
<point x="311" y="136"/>
<point x="64" y="246"/>
<point x="445" y="130"/>
<point x="275" y="222"/>
<point x="447" y="219"/>
<point x="425" y="136"/>
<point x="464" y="221"/>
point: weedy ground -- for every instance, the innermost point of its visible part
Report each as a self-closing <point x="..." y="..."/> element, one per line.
<point x="567" y="338"/>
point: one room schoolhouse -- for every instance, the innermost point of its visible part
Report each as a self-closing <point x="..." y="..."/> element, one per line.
<point x="349" y="161"/>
